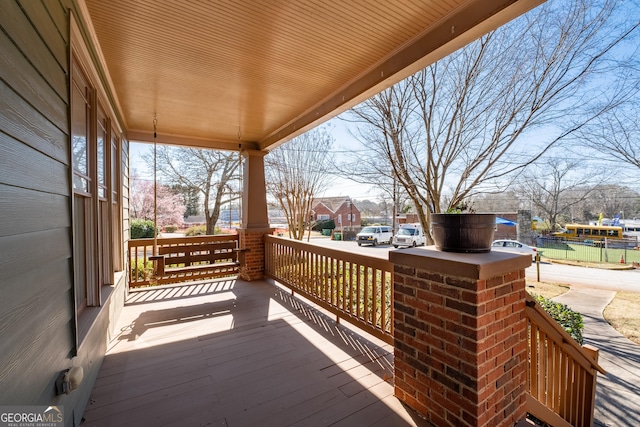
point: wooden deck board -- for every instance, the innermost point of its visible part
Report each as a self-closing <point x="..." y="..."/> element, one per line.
<point x="235" y="354"/>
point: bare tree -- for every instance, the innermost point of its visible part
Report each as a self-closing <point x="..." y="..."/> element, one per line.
<point x="556" y="186"/>
<point x="471" y="122"/>
<point x="612" y="200"/>
<point x="211" y="172"/>
<point x="297" y="173"/>
<point x="507" y="201"/>
<point x="368" y="209"/>
<point x="616" y="136"/>
<point x="393" y="153"/>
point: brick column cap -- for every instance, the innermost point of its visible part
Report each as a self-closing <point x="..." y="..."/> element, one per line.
<point x="475" y="266"/>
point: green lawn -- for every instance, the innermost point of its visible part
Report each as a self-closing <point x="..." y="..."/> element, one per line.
<point x="589" y="253"/>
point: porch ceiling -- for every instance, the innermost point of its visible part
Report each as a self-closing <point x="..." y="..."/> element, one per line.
<point x="223" y="72"/>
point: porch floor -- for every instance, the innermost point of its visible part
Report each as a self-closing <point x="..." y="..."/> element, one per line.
<point x="233" y="353"/>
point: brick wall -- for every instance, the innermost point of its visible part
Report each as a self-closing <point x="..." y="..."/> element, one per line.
<point x="253" y="241"/>
<point x="460" y="336"/>
<point x="345" y="210"/>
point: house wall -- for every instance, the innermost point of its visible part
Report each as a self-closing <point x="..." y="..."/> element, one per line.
<point x="321" y="209"/>
<point x="39" y="332"/>
<point x="36" y="311"/>
<point x="344" y="210"/>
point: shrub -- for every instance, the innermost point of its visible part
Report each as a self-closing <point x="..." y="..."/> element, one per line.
<point x="139" y="271"/>
<point x="570" y="320"/>
<point x="327" y="223"/>
<point x="141" y="229"/>
<point x="196" y="230"/>
<point x="170" y="228"/>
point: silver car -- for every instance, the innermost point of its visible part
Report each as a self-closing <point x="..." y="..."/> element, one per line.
<point x="514" y="246"/>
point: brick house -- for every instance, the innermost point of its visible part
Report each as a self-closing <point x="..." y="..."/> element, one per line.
<point x="342" y="210"/>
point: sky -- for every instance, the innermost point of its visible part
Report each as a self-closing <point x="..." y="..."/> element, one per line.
<point x="346" y="145"/>
<point x="340" y="187"/>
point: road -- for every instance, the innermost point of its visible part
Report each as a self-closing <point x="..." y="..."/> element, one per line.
<point x="583" y="277"/>
<point x="578" y="277"/>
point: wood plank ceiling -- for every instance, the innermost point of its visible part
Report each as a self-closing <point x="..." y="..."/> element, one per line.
<point x="220" y="73"/>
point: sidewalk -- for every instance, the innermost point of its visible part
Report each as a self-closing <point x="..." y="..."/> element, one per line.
<point x="617" y="402"/>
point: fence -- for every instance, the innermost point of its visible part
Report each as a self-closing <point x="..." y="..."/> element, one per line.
<point x="604" y="250"/>
<point x="354" y="287"/>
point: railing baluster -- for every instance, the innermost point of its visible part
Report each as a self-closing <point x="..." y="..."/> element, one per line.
<point x="566" y="371"/>
<point x="359" y="297"/>
<point x="374" y="301"/>
<point x="341" y="283"/>
<point x="365" y="297"/>
<point x="348" y="284"/>
<point x="534" y="374"/>
<point x="557" y="359"/>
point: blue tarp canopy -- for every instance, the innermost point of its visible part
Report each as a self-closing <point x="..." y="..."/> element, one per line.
<point x="505" y="222"/>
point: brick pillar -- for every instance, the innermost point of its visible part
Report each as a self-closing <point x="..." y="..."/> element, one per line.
<point x="461" y="336"/>
<point x="252" y="239"/>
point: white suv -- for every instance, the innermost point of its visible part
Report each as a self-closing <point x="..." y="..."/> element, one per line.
<point x="372" y="235"/>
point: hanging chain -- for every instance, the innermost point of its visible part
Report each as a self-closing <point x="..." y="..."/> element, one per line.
<point x="155" y="126"/>
<point x="155" y="187"/>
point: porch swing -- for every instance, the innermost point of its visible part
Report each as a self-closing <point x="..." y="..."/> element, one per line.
<point x="190" y="258"/>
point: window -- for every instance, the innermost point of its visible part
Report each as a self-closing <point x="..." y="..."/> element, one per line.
<point x="81" y="97"/>
<point x="80" y="113"/>
<point x="97" y="218"/>
<point x="103" y="210"/>
<point x="116" y="212"/>
<point x="101" y="156"/>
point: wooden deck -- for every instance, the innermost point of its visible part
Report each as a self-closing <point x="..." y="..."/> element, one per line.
<point x="233" y="353"/>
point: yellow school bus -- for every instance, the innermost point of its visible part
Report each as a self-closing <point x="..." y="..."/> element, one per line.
<point x="582" y="230"/>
